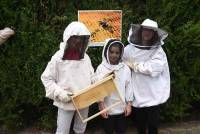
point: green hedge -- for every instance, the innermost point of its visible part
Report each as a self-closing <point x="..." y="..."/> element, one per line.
<point x="39" y="26"/>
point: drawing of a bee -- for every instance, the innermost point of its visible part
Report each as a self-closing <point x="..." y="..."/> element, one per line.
<point x="105" y="25"/>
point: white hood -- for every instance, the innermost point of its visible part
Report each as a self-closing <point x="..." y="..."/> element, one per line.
<point x="105" y="61"/>
<point x="74" y="28"/>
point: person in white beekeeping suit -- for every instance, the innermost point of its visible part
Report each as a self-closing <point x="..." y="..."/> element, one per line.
<point x="114" y="120"/>
<point x="150" y="73"/>
<point x="69" y="71"/>
<point x="5" y="34"/>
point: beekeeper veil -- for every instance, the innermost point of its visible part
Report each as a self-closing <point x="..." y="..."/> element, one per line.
<point x="135" y="34"/>
<point x="75" y="41"/>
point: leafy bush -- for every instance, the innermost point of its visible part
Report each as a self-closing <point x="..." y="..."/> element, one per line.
<point x="39" y="26"/>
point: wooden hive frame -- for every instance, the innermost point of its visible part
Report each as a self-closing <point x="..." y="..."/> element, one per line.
<point x="94" y="93"/>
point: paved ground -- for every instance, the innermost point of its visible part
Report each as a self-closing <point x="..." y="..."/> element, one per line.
<point x="191" y="127"/>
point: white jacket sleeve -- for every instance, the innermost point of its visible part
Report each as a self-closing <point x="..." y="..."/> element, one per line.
<point x="128" y="87"/>
<point x="154" y="66"/>
<point x="48" y="78"/>
<point x="91" y="71"/>
<point x="101" y="73"/>
<point x="96" y="77"/>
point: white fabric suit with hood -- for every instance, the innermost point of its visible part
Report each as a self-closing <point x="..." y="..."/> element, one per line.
<point x="69" y="75"/>
<point x="122" y="79"/>
<point x="150" y="76"/>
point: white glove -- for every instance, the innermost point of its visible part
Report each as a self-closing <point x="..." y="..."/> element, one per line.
<point x="133" y="65"/>
<point x="63" y="95"/>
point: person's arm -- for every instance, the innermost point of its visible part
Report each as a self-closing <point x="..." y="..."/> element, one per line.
<point x="5" y="34"/>
<point x="91" y="69"/>
<point x="128" y="86"/>
<point x="153" y="67"/>
<point x="49" y="77"/>
<point x="128" y="108"/>
<point x="96" y="75"/>
<point x="129" y="96"/>
<point x="102" y="107"/>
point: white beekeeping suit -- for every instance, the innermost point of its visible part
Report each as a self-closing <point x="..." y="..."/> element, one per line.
<point x="122" y="79"/>
<point x="114" y="120"/>
<point x="150" y="71"/>
<point x="62" y="78"/>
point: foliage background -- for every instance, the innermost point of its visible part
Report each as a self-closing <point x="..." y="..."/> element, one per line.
<point x="39" y="25"/>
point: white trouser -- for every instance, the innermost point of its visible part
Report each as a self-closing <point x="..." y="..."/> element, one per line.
<point x="64" y="120"/>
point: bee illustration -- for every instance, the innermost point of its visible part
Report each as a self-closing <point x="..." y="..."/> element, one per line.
<point x="105" y="25"/>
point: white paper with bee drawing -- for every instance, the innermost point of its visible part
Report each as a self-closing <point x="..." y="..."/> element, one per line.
<point x="102" y="24"/>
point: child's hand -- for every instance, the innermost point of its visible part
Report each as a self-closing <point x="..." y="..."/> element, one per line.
<point x="105" y="115"/>
<point x="102" y="107"/>
<point x="128" y="109"/>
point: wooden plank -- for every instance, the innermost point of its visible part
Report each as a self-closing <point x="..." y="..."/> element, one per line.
<point x="93" y="85"/>
<point x="94" y="94"/>
<point x="102" y="111"/>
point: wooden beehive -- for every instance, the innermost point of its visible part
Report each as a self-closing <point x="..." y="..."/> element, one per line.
<point x="95" y="93"/>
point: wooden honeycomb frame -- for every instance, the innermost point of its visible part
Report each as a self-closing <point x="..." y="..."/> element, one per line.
<point x="94" y="93"/>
